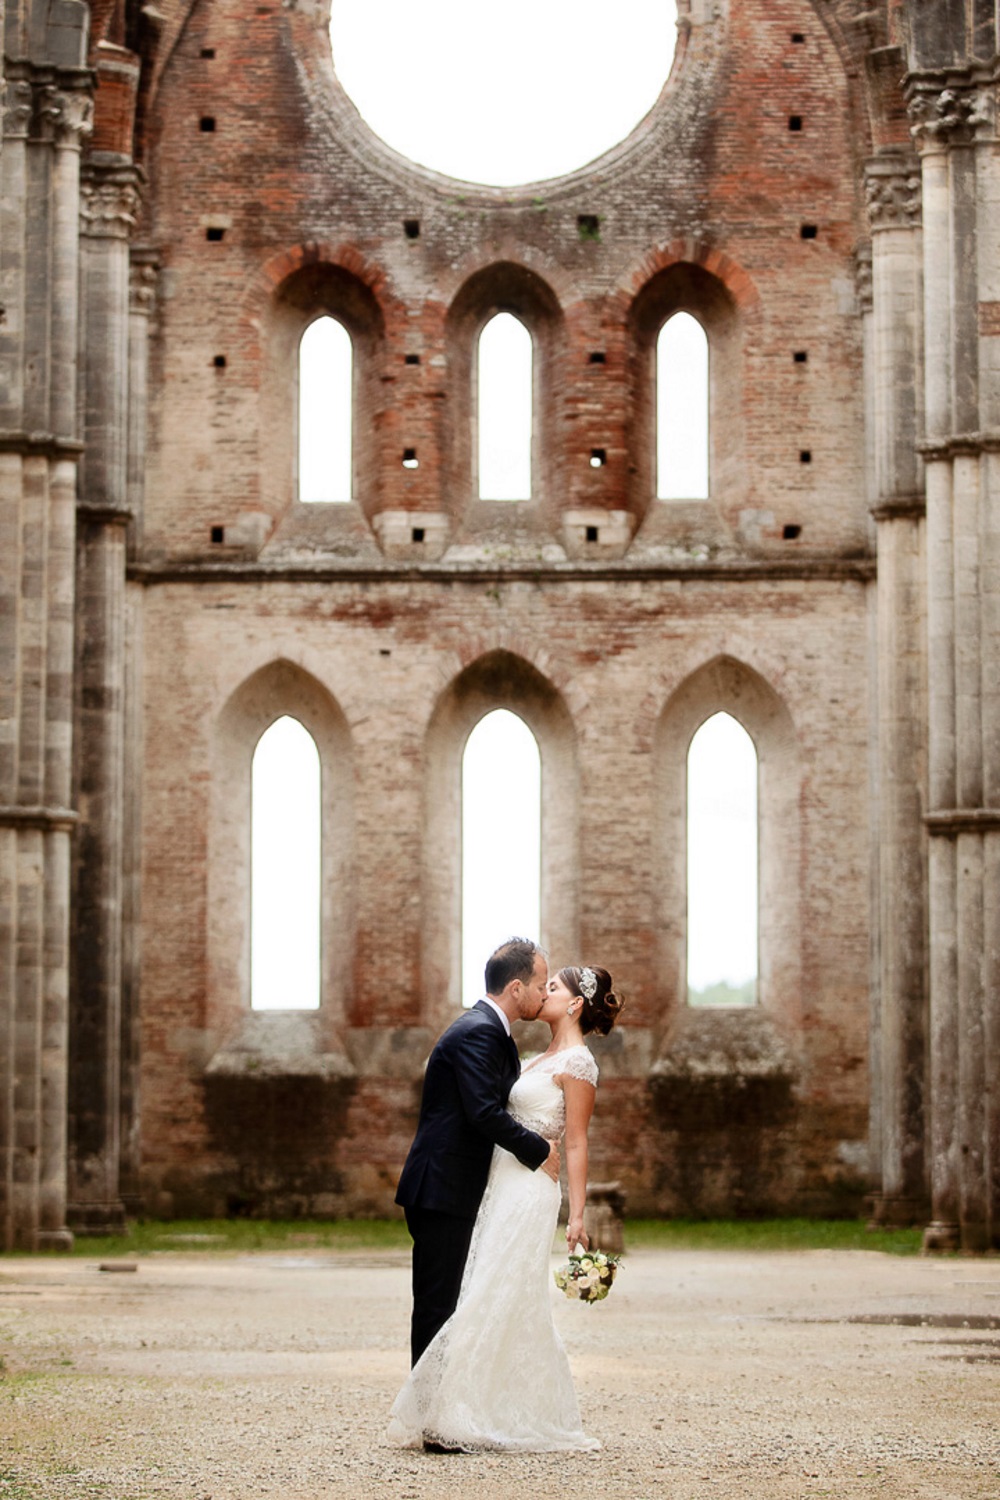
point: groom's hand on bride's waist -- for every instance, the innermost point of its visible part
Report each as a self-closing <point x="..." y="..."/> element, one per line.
<point x="551" y="1163"/>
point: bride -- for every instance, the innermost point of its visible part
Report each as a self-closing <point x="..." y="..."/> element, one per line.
<point x="496" y="1375"/>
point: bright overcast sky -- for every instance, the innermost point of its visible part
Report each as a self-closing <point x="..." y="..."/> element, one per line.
<point x="503" y="94"/>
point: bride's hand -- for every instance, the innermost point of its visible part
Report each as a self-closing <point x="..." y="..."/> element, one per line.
<point x="577" y="1235"/>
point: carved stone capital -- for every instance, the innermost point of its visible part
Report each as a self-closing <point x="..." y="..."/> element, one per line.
<point x="18" y="108"/>
<point x="893" y="193"/>
<point x="143" y="272"/>
<point x="74" y="119"/>
<point x="863" y="277"/>
<point x="955" y="112"/>
<point x="109" y="201"/>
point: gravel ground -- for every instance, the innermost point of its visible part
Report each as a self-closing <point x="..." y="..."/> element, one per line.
<point x="706" y="1374"/>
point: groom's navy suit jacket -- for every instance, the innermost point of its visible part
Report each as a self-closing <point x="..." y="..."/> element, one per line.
<point x="463" y="1116"/>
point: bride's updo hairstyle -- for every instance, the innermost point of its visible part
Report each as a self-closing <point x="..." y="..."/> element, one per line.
<point x="602" y="1008"/>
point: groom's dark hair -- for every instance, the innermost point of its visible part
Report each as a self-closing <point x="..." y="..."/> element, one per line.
<point x="514" y="959"/>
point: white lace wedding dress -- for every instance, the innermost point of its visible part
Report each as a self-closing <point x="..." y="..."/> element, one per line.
<point x="496" y="1375"/>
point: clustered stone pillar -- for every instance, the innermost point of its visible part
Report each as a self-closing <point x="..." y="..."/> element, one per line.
<point x="47" y="113"/>
<point x="110" y="198"/>
<point x="954" y="124"/>
<point x="892" y="183"/>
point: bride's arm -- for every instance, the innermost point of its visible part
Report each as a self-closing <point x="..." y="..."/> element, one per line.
<point x="579" y="1108"/>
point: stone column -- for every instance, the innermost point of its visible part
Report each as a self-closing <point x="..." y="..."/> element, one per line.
<point x="47" y="113"/>
<point x="893" y="193"/>
<point x="110" y="197"/>
<point x="954" y="125"/>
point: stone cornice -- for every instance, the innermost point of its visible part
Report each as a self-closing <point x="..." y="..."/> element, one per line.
<point x="103" y="515"/>
<point x="49" y="819"/>
<point x="893" y="192"/>
<point x="747" y="570"/>
<point x="950" y="822"/>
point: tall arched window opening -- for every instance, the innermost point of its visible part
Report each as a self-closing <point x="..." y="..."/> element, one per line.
<point x="722" y="838"/>
<point x="682" y="402"/>
<point x="505" y="409"/>
<point x="501" y="842"/>
<point x="285" y="853"/>
<point x="325" y="403"/>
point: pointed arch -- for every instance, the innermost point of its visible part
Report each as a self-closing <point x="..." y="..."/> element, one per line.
<point x="325" y="411"/>
<point x="278" y="690"/>
<point x="682" y="409"/>
<point x="730" y="686"/>
<point x="498" y="679"/>
<point x="504" y="409"/>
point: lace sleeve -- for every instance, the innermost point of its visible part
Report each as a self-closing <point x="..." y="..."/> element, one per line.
<point x="579" y="1063"/>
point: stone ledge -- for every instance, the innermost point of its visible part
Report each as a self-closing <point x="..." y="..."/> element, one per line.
<point x="279" y="1044"/>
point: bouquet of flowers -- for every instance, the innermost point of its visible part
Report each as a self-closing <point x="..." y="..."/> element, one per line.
<point x="588" y="1277"/>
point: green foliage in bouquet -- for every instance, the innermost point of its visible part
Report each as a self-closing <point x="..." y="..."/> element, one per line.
<point x="588" y="1277"/>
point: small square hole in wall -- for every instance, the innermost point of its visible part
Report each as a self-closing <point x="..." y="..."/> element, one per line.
<point x="215" y="234"/>
<point x="208" y="52"/>
<point x="207" y="124"/>
<point x="411" y="359"/>
<point x="410" y="459"/>
<point x="218" y="533"/>
<point x="384" y="651"/>
<point x="411" y="228"/>
<point x="800" y="357"/>
<point x="798" y="37"/>
<point x="808" y="232"/>
<point x="805" y="456"/>
<point x="588" y="226"/>
<point x="593" y="534"/>
<point x="598" y="458"/>
<point x="795" y="122"/>
<point x="219" y="361"/>
<point x="417" y="534"/>
<point x="790" y="533"/>
<point x="598" y="357"/>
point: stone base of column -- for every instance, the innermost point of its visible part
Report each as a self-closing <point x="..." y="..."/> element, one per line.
<point x="940" y="1236"/>
<point x="895" y="1211"/>
<point x="55" y="1241"/>
<point x="96" y="1218"/>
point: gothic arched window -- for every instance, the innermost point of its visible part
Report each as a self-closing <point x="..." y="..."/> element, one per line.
<point x="325" y="410"/>
<point x="501" y="841"/>
<point x="285" y="851"/>
<point x="722" y="840"/>
<point x="505" y="406"/>
<point x="682" y="406"/>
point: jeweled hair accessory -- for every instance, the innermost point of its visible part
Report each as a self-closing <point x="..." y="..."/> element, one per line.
<point x="588" y="984"/>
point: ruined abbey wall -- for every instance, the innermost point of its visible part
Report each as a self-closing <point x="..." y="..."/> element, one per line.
<point x="231" y="194"/>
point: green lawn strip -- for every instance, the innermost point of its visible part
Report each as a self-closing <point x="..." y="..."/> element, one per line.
<point x="227" y="1236"/>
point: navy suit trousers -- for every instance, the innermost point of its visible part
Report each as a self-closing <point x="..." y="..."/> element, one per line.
<point x="440" y="1249"/>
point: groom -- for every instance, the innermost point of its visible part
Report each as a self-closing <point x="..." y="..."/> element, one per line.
<point x="462" y="1117"/>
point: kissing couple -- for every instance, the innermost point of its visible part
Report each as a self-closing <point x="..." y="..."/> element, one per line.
<point x="480" y="1189"/>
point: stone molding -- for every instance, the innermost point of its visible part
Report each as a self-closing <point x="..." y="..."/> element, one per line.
<point x="49" y="819"/>
<point x="893" y="193"/>
<point x="109" y="200"/>
<point x="950" y="822"/>
<point x="144" y="270"/>
<point x="965" y="444"/>
<point x="103" y="515"/>
<point x="951" y="109"/>
<point x="900" y="508"/>
<point x="763" y="570"/>
<point x="39" y="444"/>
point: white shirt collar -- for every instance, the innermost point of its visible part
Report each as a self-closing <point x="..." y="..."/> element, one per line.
<point x="495" y="1006"/>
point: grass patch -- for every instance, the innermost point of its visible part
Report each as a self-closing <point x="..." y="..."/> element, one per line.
<point x="768" y="1234"/>
<point x="242" y="1236"/>
<point x="226" y="1236"/>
